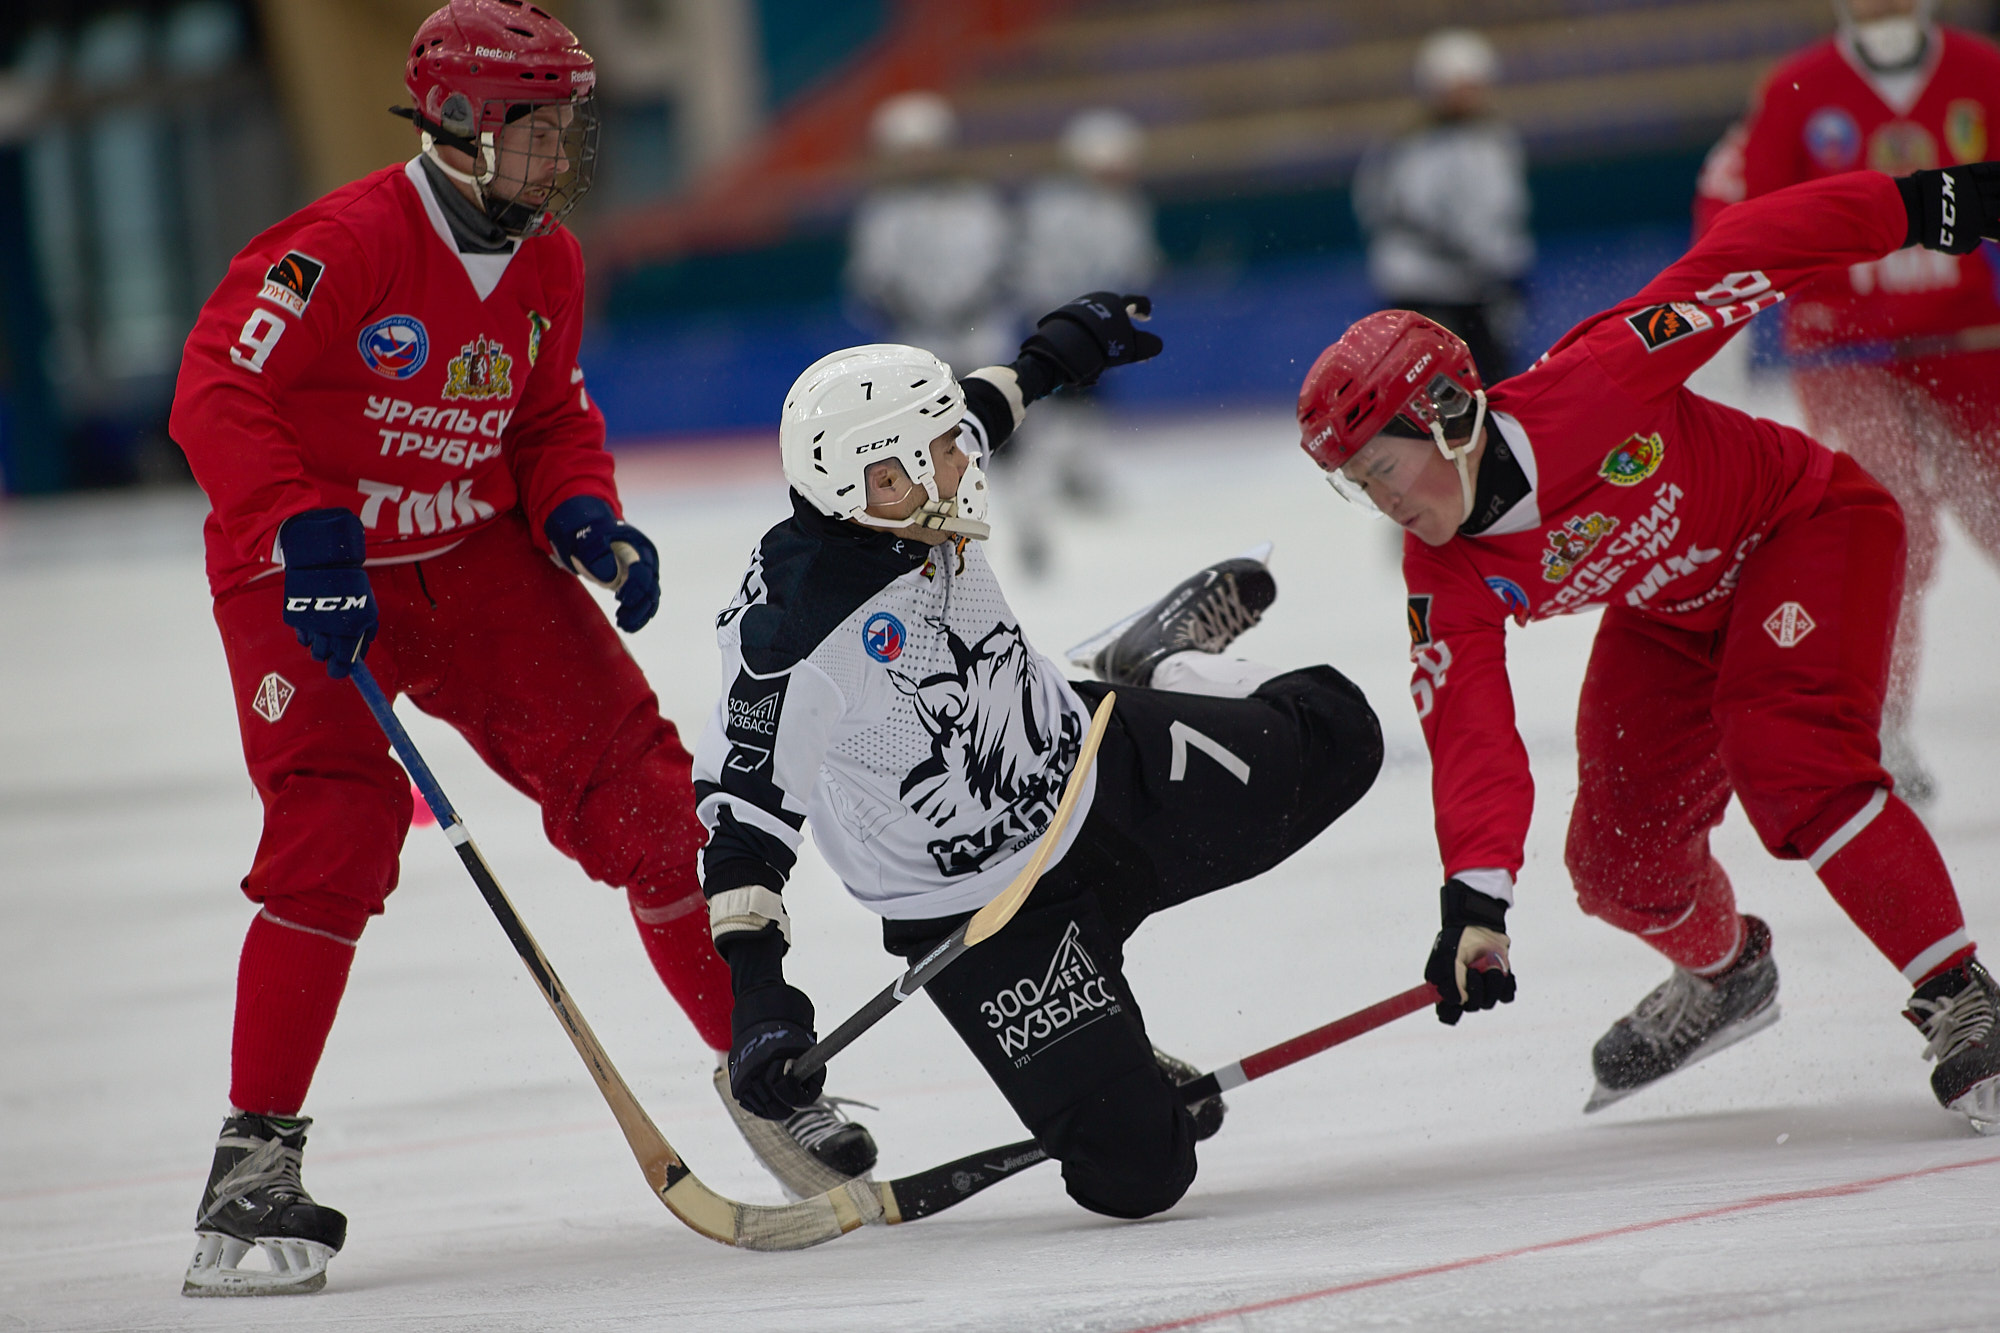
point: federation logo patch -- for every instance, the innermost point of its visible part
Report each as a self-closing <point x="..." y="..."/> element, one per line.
<point x="273" y="694"/>
<point x="1659" y="325"/>
<point x="395" y="348"/>
<point x="1965" y="130"/>
<point x="882" y="636"/>
<point x="1571" y="544"/>
<point x="1420" y="620"/>
<point x="1510" y="592"/>
<point x="1788" y="624"/>
<point x="1833" y="140"/>
<point x="538" y="324"/>
<point x="289" y="283"/>
<point x="482" y="369"/>
<point x="1633" y="461"/>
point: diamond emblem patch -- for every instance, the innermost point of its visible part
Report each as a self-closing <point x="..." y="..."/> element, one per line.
<point x="273" y="693"/>
<point x="1788" y="624"/>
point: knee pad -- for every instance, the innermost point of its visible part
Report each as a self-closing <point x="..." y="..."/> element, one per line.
<point x="1342" y="752"/>
<point x="328" y="858"/>
<point x="1127" y="1150"/>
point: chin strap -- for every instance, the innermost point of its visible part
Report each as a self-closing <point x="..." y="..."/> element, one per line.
<point x="1458" y="455"/>
<point x="939" y="515"/>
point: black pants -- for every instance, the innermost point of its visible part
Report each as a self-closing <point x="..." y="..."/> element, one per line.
<point x="1193" y="794"/>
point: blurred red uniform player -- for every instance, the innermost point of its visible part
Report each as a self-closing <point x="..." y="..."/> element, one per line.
<point x="383" y="404"/>
<point x="1749" y="580"/>
<point x="1898" y="358"/>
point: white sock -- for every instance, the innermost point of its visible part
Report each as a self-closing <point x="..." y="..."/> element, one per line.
<point x="1192" y="672"/>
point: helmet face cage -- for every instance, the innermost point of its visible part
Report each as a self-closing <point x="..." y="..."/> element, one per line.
<point x="537" y="166"/>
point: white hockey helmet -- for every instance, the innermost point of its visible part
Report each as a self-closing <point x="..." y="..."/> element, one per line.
<point x="1104" y="141"/>
<point x="1455" y="58"/>
<point x="866" y="405"/>
<point x="919" y="121"/>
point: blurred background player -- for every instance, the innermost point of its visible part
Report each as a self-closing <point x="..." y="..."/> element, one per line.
<point x="1899" y="359"/>
<point x="1445" y="206"/>
<point x="929" y="247"/>
<point x="383" y="404"/>
<point x="1086" y="228"/>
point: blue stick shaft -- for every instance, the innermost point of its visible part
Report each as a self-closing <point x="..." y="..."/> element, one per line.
<point x="406" y="749"/>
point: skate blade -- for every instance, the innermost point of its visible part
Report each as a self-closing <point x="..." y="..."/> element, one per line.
<point x="1721" y="1041"/>
<point x="297" y="1267"/>
<point x="1980" y="1105"/>
<point x="1084" y="655"/>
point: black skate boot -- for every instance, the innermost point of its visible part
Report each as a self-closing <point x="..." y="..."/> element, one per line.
<point x="1687" y="1019"/>
<point x="1207" y="1112"/>
<point x="815" y="1149"/>
<point x="1204" y="614"/>
<point x="254" y="1201"/>
<point x="1956" y="1010"/>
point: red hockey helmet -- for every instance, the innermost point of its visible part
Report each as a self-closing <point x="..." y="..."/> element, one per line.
<point x="1393" y="364"/>
<point x="478" y="66"/>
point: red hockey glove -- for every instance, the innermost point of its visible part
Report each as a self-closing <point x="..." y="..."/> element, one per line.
<point x="1468" y="962"/>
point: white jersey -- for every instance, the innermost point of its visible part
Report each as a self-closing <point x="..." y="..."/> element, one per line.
<point x="1446" y="211"/>
<point x="882" y="690"/>
<point x="1080" y="236"/>
<point x="931" y="257"/>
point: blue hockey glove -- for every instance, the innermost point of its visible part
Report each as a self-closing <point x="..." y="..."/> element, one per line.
<point x="773" y="1027"/>
<point x="592" y="541"/>
<point x="328" y="602"/>
<point x="1091" y="333"/>
<point x="1468" y="962"/>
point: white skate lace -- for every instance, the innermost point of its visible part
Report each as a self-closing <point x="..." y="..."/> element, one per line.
<point x="1954" y="1022"/>
<point x="1683" y="1000"/>
<point x="815" y="1124"/>
<point x="1215" y="620"/>
<point x="271" y="1164"/>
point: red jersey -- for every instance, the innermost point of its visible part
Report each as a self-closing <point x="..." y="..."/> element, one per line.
<point x="1638" y="493"/>
<point x="353" y="358"/>
<point x="1824" y="112"/>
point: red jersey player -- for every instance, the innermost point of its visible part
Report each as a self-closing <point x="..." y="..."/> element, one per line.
<point x="383" y="404"/>
<point x="1749" y="580"/>
<point x="1898" y="357"/>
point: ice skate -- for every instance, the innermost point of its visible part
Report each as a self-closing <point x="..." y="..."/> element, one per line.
<point x="1205" y="614"/>
<point x="1207" y="1112"/>
<point x="1688" y="1018"/>
<point x="1914" y="781"/>
<point x="815" y="1149"/>
<point x="1956" y="1011"/>
<point x="254" y="1201"/>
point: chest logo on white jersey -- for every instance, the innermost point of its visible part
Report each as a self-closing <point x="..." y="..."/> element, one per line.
<point x="882" y="637"/>
<point x="396" y="347"/>
<point x="482" y="369"/>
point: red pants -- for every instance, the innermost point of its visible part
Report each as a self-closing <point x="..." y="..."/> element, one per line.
<point x="494" y="639"/>
<point x="1929" y="430"/>
<point x="1780" y="706"/>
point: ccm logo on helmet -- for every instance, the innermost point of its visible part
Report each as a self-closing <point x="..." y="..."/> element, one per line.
<point x="1410" y="375"/>
<point x="325" y="603"/>
<point x="879" y="444"/>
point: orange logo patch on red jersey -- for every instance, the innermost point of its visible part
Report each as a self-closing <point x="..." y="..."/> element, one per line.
<point x="1659" y="325"/>
<point x="482" y="369"/>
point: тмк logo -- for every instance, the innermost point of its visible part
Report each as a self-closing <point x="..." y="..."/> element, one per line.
<point x="882" y="636"/>
<point x="395" y="348"/>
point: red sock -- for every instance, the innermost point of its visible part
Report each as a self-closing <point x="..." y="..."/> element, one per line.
<point x="1881" y="866"/>
<point x="288" y="986"/>
<point x="673" y="925"/>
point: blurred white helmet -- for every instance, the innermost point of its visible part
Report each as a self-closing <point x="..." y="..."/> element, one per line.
<point x="1103" y="141"/>
<point x="1888" y="41"/>
<point x="913" y="122"/>
<point x="1455" y="58"/>
<point x="866" y="405"/>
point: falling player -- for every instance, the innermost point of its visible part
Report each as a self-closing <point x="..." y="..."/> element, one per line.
<point x="1749" y="579"/>
<point x="1899" y="357"/>
<point x="382" y="402"/>
<point x="880" y="687"/>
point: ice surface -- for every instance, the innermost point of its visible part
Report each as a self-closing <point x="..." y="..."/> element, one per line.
<point x="489" y="1190"/>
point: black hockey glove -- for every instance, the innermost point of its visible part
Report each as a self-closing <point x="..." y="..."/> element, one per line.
<point x="1468" y="962"/>
<point x="1953" y="209"/>
<point x="595" y="543"/>
<point x="328" y="602"/>
<point x="773" y="1026"/>
<point x="1091" y="333"/>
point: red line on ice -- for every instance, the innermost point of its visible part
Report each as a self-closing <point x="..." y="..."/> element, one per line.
<point x="1432" y="1270"/>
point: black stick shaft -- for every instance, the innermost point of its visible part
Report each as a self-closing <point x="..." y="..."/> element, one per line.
<point x="919" y="975"/>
